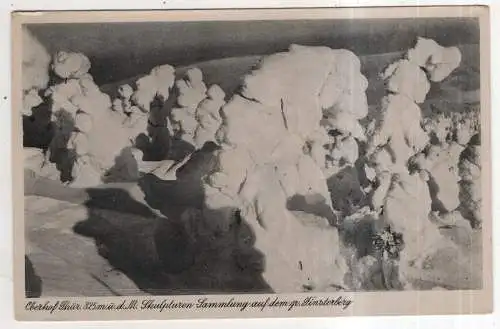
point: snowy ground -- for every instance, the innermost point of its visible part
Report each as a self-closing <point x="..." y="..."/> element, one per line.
<point x="117" y="244"/>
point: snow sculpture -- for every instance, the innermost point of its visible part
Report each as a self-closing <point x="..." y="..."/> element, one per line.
<point x="402" y="197"/>
<point x="84" y="118"/>
<point x="35" y="71"/>
<point x="270" y="172"/>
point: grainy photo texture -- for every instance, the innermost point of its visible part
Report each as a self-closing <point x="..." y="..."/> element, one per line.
<point x="230" y="157"/>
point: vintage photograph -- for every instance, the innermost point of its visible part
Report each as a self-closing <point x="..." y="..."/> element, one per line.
<point x="274" y="156"/>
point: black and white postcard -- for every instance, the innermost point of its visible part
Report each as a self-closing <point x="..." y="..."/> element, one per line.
<point x="252" y="163"/>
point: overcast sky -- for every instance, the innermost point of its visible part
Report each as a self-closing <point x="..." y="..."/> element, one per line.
<point x="121" y="50"/>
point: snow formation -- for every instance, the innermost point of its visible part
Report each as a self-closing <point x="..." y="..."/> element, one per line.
<point x="296" y="160"/>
